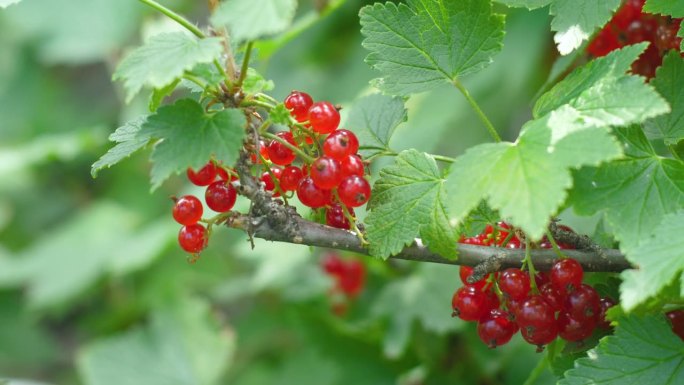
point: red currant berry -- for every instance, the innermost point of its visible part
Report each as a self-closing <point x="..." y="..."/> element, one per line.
<point x="269" y="184"/>
<point x="470" y="303"/>
<point x="539" y="336"/>
<point x="604" y="43"/>
<point x="193" y="238"/>
<point x="323" y="117"/>
<point x="311" y="195"/>
<point x="571" y="329"/>
<point x="290" y="178"/>
<point x="551" y="296"/>
<point x="263" y="150"/>
<point x="583" y="303"/>
<point x="332" y="264"/>
<point x="566" y="275"/>
<point x="204" y="176"/>
<point x="187" y="210"/>
<point x="279" y="153"/>
<point x="477" y="241"/>
<point x="496" y="328"/>
<point x="352" y="280"/>
<point x="325" y="173"/>
<point x="514" y="243"/>
<point x="676" y="318"/>
<point x="340" y="144"/>
<point x="334" y="217"/>
<point x="299" y="103"/>
<point x="352" y="165"/>
<point x="354" y="191"/>
<point x="606" y="303"/>
<point x="535" y="314"/>
<point x="541" y="278"/>
<point x="515" y="283"/>
<point x="220" y="196"/>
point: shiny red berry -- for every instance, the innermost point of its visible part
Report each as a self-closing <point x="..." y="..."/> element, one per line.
<point x="583" y="303"/>
<point x="311" y="195"/>
<point x="187" y="210"/>
<point x="551" y="296"/>
<point x="290" y="178"/>
<point x="496" y="328"/>
<point x="515" y="283"/>
<point x="332" y="264"/>
<point x="269" y="184"/>
<point x="352" y="279"/>
<point x="204" y="176"/>
<point x="279" y="153"/>
<point x="470" y="303"/>
<point x="571" y="329"/>
<point x="193" y="238"/>
<point x="606" y="303"/>
<point x="299" y="103"/>
<point x="325" y="172"/>
<point x="566" y="275"/>
<point x="352" y="165"/>
<point x="323" y="117"/>
<point x="220" y="196"/>
<point x="334" y="217"/>
<point x="354" y="191"/>
<point x="340" y="144"/>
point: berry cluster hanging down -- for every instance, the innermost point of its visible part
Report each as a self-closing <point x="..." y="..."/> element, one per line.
<point x="542" y="306"/>
<point x="349" y="276"/>
<point x="630" y="25"/>
<point x="314" y="161"/>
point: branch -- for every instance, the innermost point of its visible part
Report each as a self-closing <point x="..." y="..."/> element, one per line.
<point x="315" y="234"/>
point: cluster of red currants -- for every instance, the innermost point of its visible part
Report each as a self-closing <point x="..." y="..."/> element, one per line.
<point x="331" y="175"/>
<point x="549" y="305"/>
<point x="220" y="196"/>
<point x="349" y="277"/>
<point x="630" y="25"/>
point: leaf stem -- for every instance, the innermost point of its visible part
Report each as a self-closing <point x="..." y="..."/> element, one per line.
<point x="289" y="145"/>
<point x="555" y="245"/>
<point x="527" y="262"/>
<point x="351" y="219"/>
<point x="175" y="17"/>
<point x="478" y="111"/>
<point x="245" y="65"/>
<point x="537" y="371"/>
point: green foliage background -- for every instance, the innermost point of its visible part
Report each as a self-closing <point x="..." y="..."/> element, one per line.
<point x="93" y="288"/>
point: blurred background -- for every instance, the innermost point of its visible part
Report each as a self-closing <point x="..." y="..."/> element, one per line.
<point x="95" y="290"/>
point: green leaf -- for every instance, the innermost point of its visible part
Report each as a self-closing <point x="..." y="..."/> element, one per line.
<point x="600" y="94"/>
<point x="54" y="270"/>
<point x="575" y="20"/>
<point x="421" y="297"/>
<point x="674" y="8"/>
<point x="158" y="95"/>
<point x="255" y="83"/>
<point x="374" y="118"/>
<point x="164" y="59"/>
<point x="529" y="4"/>
<point x="526" y="180"/>
<point x="643" y="351"/>
<point x="660" y="259"/>
<point x="635" y="193"/>
<point x="408" y="201"/>
<point x="252" y="19"/>
<point x="183" y="344"/>
<point x="7" y="3"/>
<point x="191" y="137"/>
<point x="424" y="44"/>
<point x="669" y="81"/>
<point x="128" y="141"/>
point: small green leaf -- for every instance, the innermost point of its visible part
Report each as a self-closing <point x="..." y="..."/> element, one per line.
<point x="644" y="350"/>
<point x="164" y="59"/>
<point x="191" y="137"/>
<point x="529" y="4"/>
<point x="635" y="193"/>
<point x="183" y="344"/>
<point x="660" y="261"/>
<point x="158" y="95"/>
<point x="669" y="81"/>
<point x="674" y="8"/>
<point x="255" y="83"/>
<point x="7" y="3"/>
<point x="128" y="141"/>
<point x="424" y="44"/>
<point x="575" y="20"/>
<point x="253" y="19"/>
<point x="280" y="115"/>
<point x="526" y="180"/>
<point x="374" y="118"/>
<point x="408" y="201"/>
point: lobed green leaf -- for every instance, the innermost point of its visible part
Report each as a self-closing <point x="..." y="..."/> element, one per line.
<point x="423" y="44"/>
<point x="669" y="82"/>
<point x="374" y="118"/>
<point x="128" y="142"/>
<point x="644" y="350"/>
<point x="674" y="8"/>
